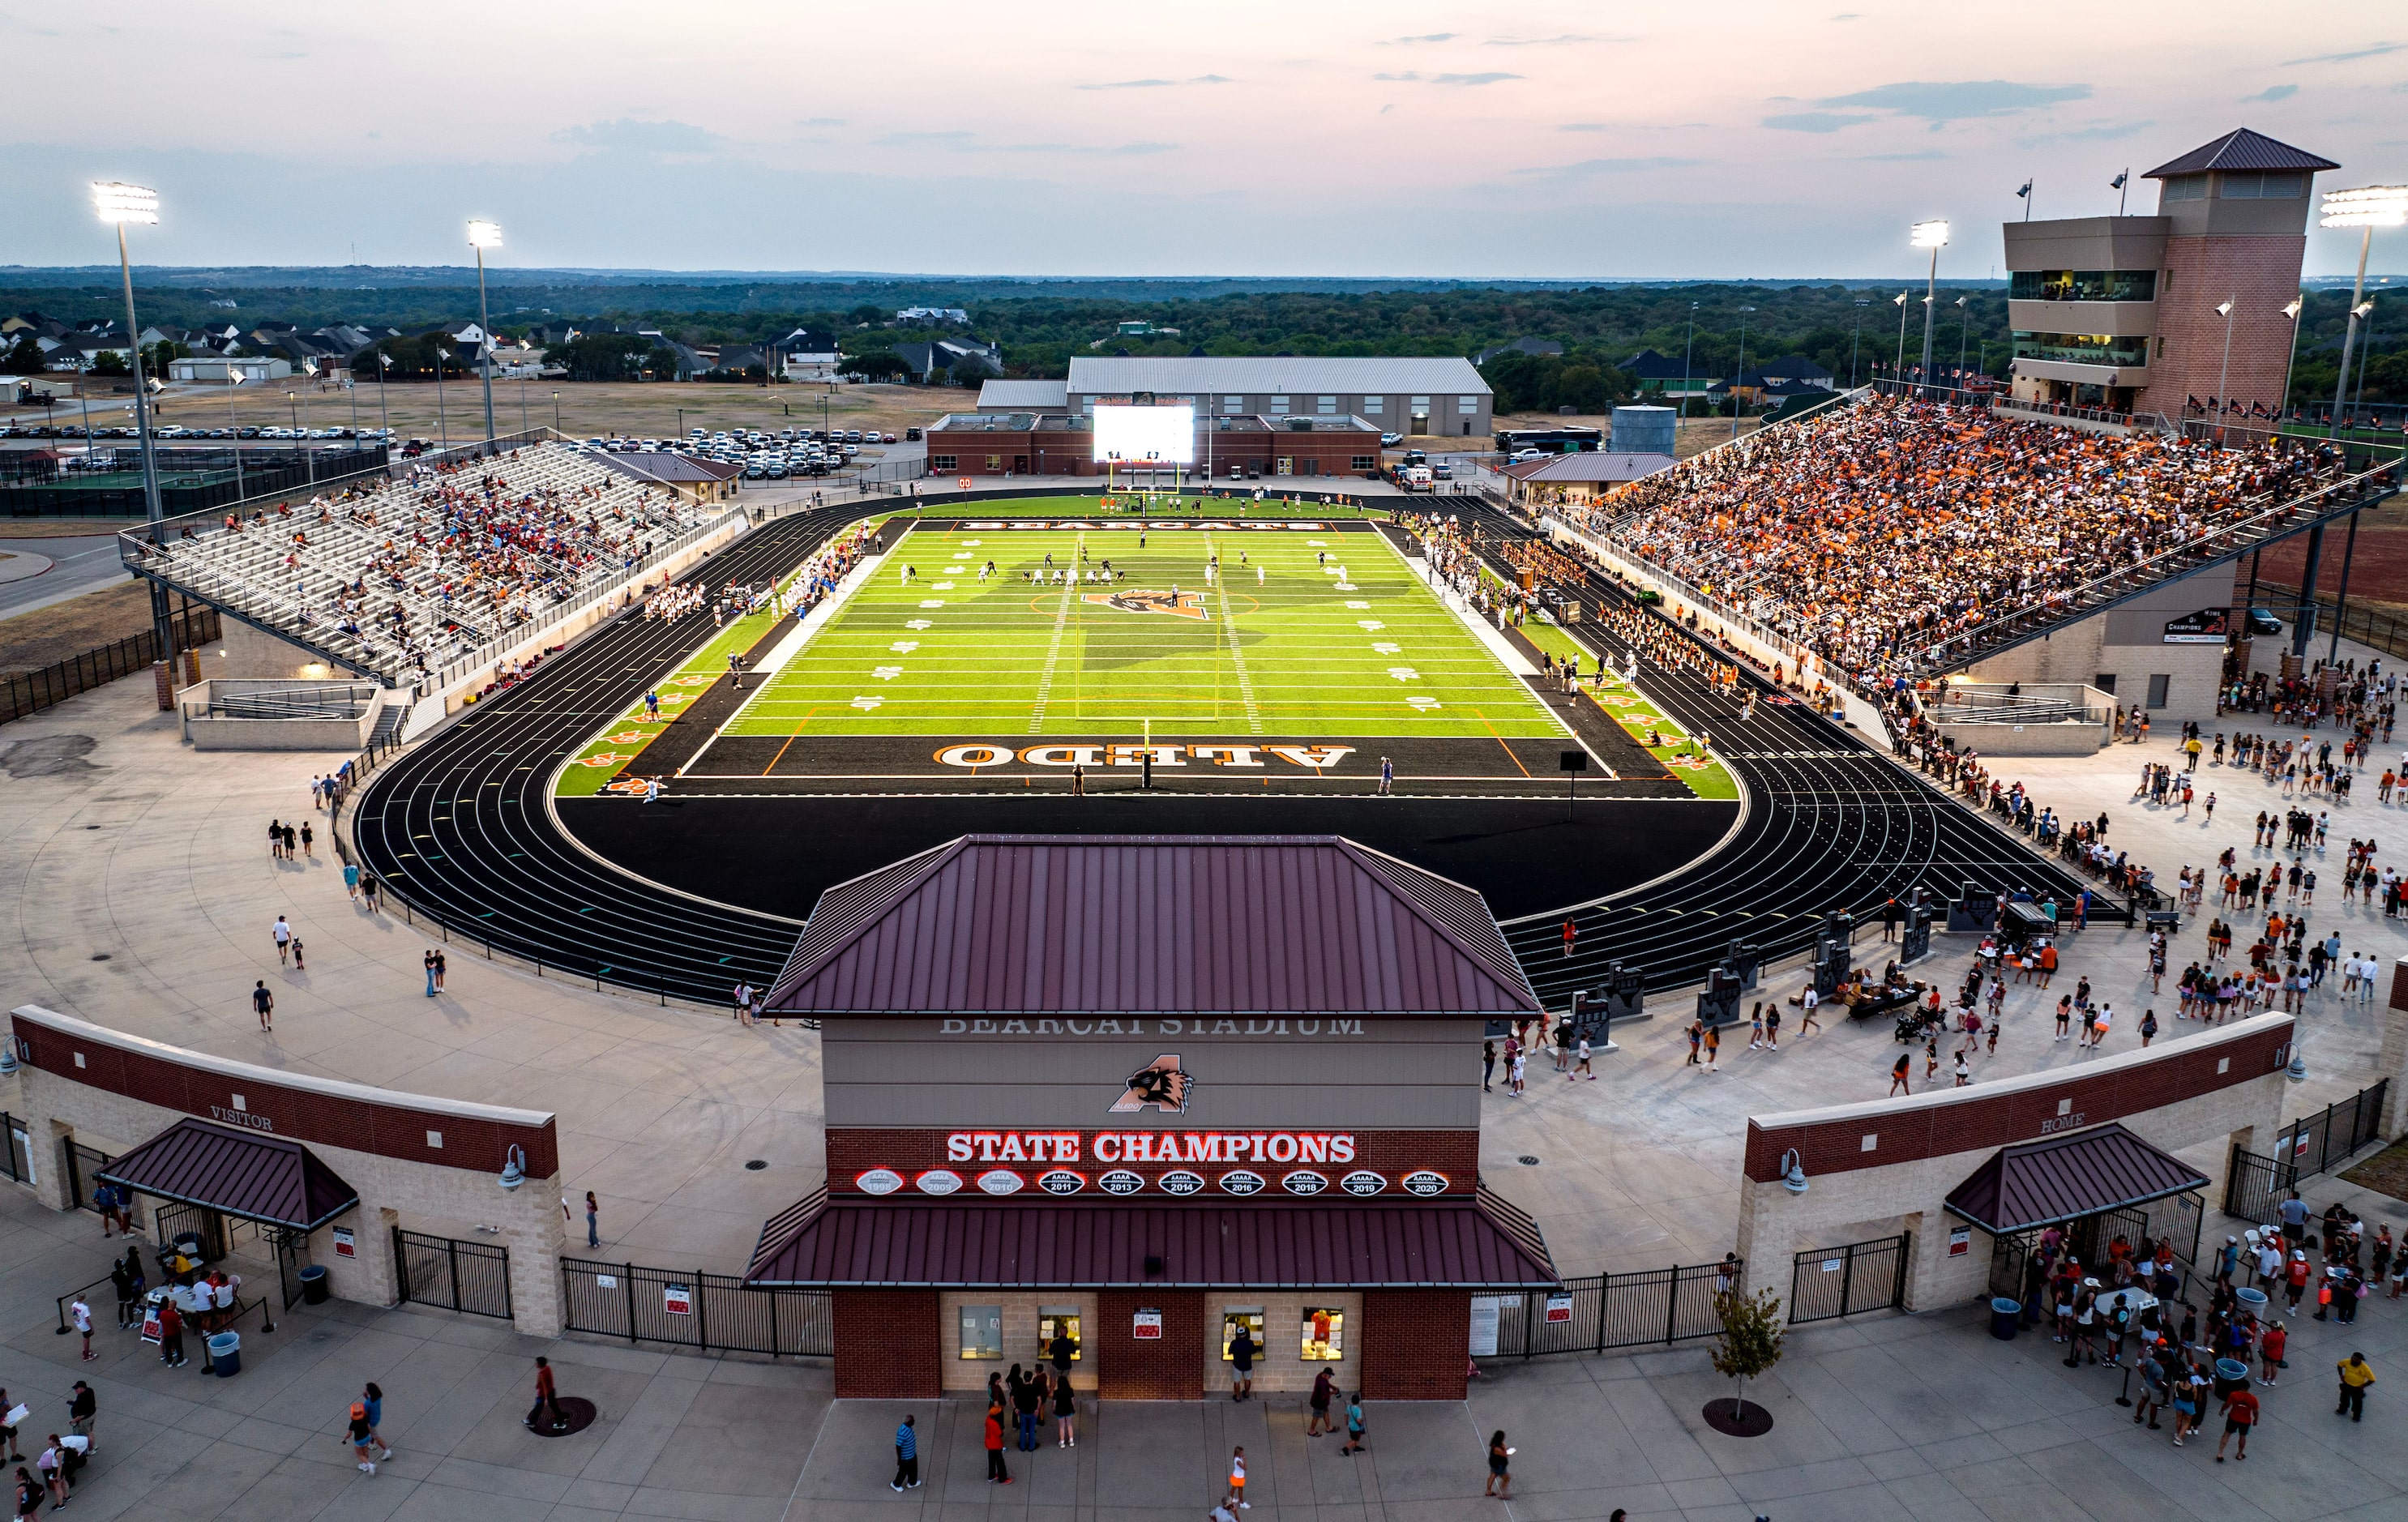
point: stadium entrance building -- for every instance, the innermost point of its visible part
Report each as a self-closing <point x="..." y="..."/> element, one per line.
<point x="1143" y="1091"/>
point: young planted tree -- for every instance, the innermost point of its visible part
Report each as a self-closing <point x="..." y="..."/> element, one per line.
<point x="1749" y="1344"/>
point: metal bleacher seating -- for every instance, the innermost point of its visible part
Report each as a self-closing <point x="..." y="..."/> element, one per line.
<point x="416" y="581"/>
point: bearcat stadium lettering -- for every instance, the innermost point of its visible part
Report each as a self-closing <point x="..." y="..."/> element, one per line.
<point x="1149" y="1146"/>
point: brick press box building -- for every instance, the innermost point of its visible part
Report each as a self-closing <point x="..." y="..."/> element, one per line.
<point x="1249" y="447"/>
<point x="1141" y="1091"/>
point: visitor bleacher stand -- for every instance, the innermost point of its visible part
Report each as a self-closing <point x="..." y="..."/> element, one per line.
<point x="429" y="579"/>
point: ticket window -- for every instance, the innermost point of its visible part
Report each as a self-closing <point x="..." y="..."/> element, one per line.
<point x="982" y="1333"/>
<point x="1323" y="1334"/>
<point x="1248" y="1316"/>
<point x="1058" y="1320"/>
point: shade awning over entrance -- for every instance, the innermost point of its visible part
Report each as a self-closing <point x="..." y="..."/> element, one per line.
<point x="244" y="1174"/>
<point x="1478" y="1243"/>
<point x="2064" y="1178"/>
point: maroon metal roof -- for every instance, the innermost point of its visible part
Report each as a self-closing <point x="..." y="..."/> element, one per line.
<point x="239" y="1174"/>
<point x="1174" y="924"/>
<point x="2242" y="148"/>
<point x="1477" y="1244"/>
<point x="2062" y="1178"/>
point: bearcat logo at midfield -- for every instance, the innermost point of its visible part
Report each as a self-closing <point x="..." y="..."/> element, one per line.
<point x="1161" y="1084"/>
<point x="1148" y="600"/>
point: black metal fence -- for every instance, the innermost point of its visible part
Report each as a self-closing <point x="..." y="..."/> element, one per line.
<point x="1827" y="1282"/>
<point x="18" y="1163"/>
<point x="469" y="1276"/>
<point x="83" y="1165"/>
<point x="31" y="692"/>
<point x="185" y="486"/>
<point x="2254" y="1184"/>
<point x="702" y="1311"/>
<point x="1602" y="1311"/>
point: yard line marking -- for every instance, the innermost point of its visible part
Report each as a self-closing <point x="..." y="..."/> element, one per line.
<point x="790" y="741"/>
<point x="1053" y="649"/>
<point x="1236" y="653"/>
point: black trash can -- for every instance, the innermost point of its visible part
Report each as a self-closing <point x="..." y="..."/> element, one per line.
<point x="2005" y="1316"/>
<point x="313" y="1286"/>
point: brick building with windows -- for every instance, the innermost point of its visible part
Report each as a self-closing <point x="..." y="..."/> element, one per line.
<point x="2121" y="312"/>
<point x="1227" y="448"/>
<point x="1141" y="1091"/>
<point x="1440" y="396"/>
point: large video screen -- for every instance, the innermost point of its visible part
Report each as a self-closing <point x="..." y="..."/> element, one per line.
<point x="1164" y="435"/>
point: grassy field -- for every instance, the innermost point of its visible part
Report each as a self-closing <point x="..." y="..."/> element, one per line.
<point x="1303" y="633"/>
<point x="1654" y="730"/>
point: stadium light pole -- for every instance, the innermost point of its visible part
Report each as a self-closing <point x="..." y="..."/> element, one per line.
<point x="1854" y="337"/>
<point x="483" y="236"/>
<point x="1897" y="365"/>
<point x="118" y="204"/>
<point x="1686" y="350"/>
<point x="2368" y="208"/>
<point x="1740" y="377"/>
<point x="233" y="379"/>
<point x="2224" y="371"/>
<point x="2358" y="397"/>
<point x="384" y="419"/>
<point x="442" y="421"/>
<point x="1961" y="317"/>
<point x="2291" y="361"/>
<point x="1933" y="236"/>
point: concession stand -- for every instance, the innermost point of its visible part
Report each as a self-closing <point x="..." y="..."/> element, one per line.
<point x="1142" y="1091"/>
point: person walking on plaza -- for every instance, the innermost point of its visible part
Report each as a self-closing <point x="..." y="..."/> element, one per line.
<point x="1897" y="1075"/>
<point x="1713" y="1046"/>
<point x="83" y="1407"/>
<point x="361" y="1436"/>
<point x="1488" y="1066"/>
<point x="1324" y="1386"/>
<point x="2356" y="1376"/>
<point x="80" y="1314"/>
<point x="8" y="1435"/>
<point x="547" y="1397"/>
<point x="283" y="934"/>
<point x="351" y="880"/>
<point x="1237" y="1496"/>
<point x="372" y="1397"/>
<point x="2239" y="1415"/>
<point x="125" y="1278"/>
<point x="592" y="1220"/>
<point x="907" y="1456"/>
<point x="1354" y="1443"/>
<point x="1066" y="1410"/>
<point x="1500" y="1468"/>
<point x="429" y="962"/>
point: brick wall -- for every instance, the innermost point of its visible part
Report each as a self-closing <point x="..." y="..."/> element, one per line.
<point x="2259" y="275"/>
<point x="1945" y="1121"/>
<point x="409" y="1127"/>
<point x="886" y="1343"/>
<point x="1171" y="1369"/>
<point x="1415" y="1343"/>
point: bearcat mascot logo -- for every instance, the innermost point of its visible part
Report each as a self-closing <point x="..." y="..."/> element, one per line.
<point x="1161" y="1084"/>
<point x="1178" y="604"/>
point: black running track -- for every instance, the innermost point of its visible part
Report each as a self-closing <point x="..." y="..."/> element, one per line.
<point x="460" y="831"/>
<point x="1833" y="825"/>
<point x="463" y="832"/>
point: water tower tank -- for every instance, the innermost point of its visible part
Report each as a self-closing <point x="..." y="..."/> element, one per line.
<point x="1642" y="430"/>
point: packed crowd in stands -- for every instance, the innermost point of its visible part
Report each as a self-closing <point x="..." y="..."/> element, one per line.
<point x="410" y="574"/>
<point x="1879" y="530"/>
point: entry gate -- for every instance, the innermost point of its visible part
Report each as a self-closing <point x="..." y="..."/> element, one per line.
<point x="468" y="1276"/>
<point x="1827" y="1282"/>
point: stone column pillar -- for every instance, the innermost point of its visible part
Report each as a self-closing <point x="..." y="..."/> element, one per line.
<point x="533" y="1228"/>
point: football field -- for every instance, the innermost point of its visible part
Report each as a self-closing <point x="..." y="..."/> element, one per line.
<point x="997" y="635"/>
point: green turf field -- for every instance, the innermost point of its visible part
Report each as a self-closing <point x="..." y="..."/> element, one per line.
<point x="1284" y="645"/>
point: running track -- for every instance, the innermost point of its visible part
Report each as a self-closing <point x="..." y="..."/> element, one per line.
<point x="460" y="828"/>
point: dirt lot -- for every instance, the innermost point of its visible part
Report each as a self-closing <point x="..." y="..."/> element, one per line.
<point x="585" y="411"/>
<point x="2385" y="1172"/>
<point x="32" y="640"/>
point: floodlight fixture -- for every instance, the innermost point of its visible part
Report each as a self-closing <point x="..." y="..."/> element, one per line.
<point x="484" y="235"/>
<point x="1929" y="234"/>
<point x="2368" y="206"/>
<point x="121" y="203"/>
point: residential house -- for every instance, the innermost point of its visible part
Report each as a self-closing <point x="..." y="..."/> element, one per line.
<point x="952" y="360"/>
<point x="1650" y="371"/>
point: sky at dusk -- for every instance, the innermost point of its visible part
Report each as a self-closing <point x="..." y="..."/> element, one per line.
<point x="1064" y="138"/>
